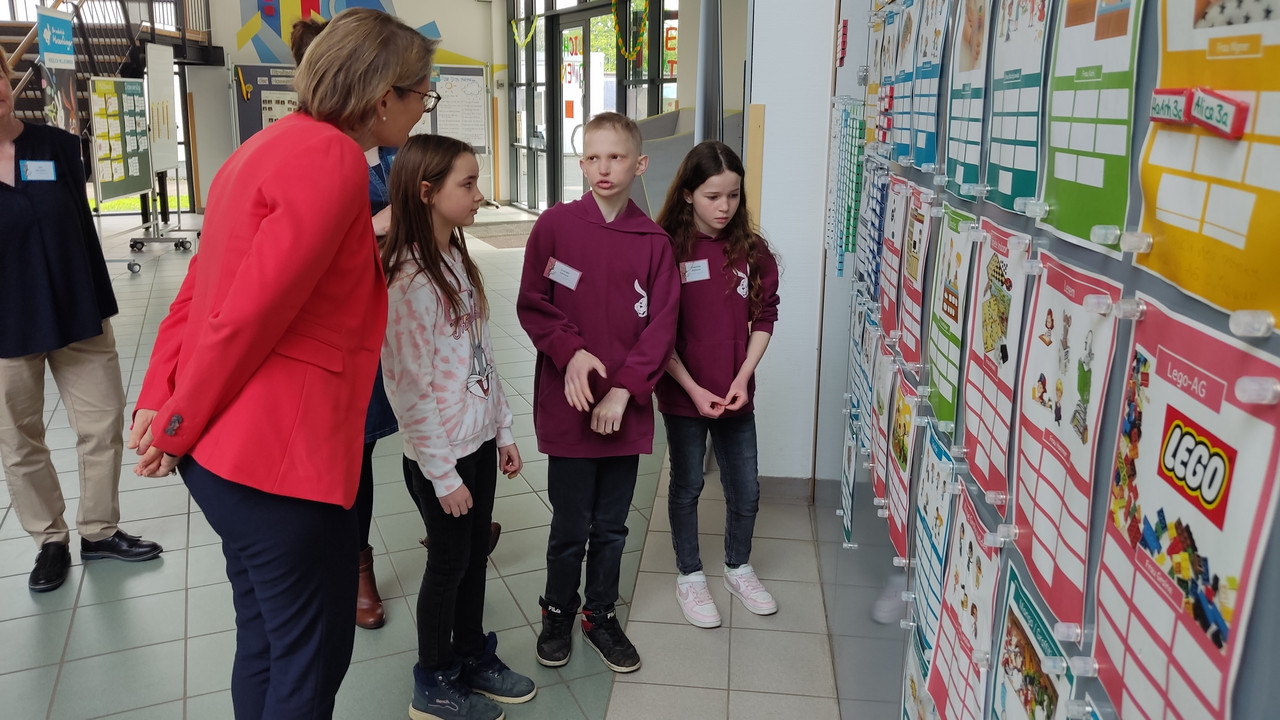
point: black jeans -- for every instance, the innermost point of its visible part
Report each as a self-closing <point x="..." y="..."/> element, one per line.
<point x="590" y="500"/>
<point x="451" y="600"/>
<point x="292" y="566"/>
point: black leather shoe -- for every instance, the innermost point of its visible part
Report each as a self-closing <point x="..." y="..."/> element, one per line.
<point x="51" y="568"/>
<point x="121" y="546"/>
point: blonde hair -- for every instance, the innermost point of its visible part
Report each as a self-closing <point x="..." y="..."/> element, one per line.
<point x="361" y="54"/>
<point x="619" y="122"/>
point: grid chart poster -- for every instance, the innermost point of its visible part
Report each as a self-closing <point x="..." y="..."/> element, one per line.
<point x="864" y="341"/>
<point x="874" y="77"/>
<point x="967" y="94"/>
<point x="902" y="462"/>
<point x="1024" y="689"/>
<point x="1193" y="495"/>
<point x="1064" y="377"/>
<point x="957" y="683"/>
<point x="916" y="249"/>
<point x="950" y="288"/>
<point x="885" y="120"/>
<point x="868" y="246"/>
<point x="264" y="94"/>
<point x="895" y="228"/>
<point x="1090" y="116"/>
<point x="908" y="22"/>
<point x="929" y="44"/>
<point x="883" y="395"/>
<point x="933" y="519"/>
<point x="991" y="355"/>
<point x="121" y="148"/>
<point x="1206" y="196"/>
<point x="1017" y="63"/>
<point x="914" y="705"/>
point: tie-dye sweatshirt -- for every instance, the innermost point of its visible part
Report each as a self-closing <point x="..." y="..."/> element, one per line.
<point x="440" y="376"/>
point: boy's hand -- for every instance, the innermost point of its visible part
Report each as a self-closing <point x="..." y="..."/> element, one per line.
<point x="737" y="395"/>
<point x="607" y="417"/>
<point x="140" y="431"/>
<point x="458" y="502"/>
<point x="577" y="390"/>
<point x="509" y="461"/>
<point x="708" y="403"/>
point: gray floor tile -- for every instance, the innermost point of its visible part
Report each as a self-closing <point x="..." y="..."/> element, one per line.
<point x="206" y="565"/>
<point x="521" y="551"/>
<point x="377" y="688"/>
<point x="391" y="498"/>
<point x="401" y="531"/>
<point x="107" y="580"/>
<point x="630" y="568"/>
<point x="123" y="624"/>
<point x="592" y="694"/>
<point x="868" y="710"/>
<point x="679" y="656"/>
<point x="512" y="486"/>
<point x="170" y="531"/>
<point x="655" y="600"/>
<point x="200" y="532"/>
<point x="27" y="694"/>
<point x="635" y="701"/>
<point x="784" y="521"/>
<point x="525" y="589"/>
<point x="399" y="635"/>
<point x="787" y="663"/>
<point x="553" y="702"/>
<point x="659" y="556"/>
<point x="868" y="669"/>
<point x="795" y="560"/>
<point x="153" y="502"/>
<point x="17" y="601"/>
<point x="213" y="706"/>
<point x="865" y="565"/>
<point x="534" y="473"/>
<point x="800" y="608"/>
<point x="849" y="613"/>
<point x="767" y="706"/>
<point x="209" y="662"/>
<point x="97" y="686"/>
<point x="501" y="612"/>
<point x="637" y="527"/>
<point x="163" y="711"/>
<point x="209" y="609"/>
<point x="520" y="512"/>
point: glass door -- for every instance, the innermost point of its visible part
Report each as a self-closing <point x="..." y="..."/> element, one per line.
<point x="575" y="99"/>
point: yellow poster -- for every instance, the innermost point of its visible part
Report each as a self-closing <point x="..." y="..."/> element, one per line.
<point x="1211" y="202"/>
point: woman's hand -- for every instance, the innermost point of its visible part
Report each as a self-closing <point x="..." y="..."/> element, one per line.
<point x="577" y="388"/>
<point x="140" y="431"/>
<point x="509" y="461"/>
<point x="156" y="463"/>
<point x="458" y="502"/>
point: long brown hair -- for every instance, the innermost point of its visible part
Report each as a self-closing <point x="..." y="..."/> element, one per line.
<point x="412" y="237"/>
<point x="741" y="238"/>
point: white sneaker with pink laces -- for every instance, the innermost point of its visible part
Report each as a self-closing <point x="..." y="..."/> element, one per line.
<point x="743" y="583"/>
<point x="695" y="599"/>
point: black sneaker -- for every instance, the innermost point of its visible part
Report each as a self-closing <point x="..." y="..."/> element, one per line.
<point x="605" y="635"/>
<point x="51" y="568"/>
<point x="555" y="641"/>
<point x="489" y="676"/>
<point x="441" y="696"/>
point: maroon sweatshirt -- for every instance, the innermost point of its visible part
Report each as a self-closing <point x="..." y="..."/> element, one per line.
<point x="622" y="309"/>
<point x="715" y="324"/>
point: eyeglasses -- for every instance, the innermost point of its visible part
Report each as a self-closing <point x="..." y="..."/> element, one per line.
<point x="430" y="98"/>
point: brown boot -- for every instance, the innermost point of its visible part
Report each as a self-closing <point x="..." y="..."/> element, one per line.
<point x="369" y="614"/>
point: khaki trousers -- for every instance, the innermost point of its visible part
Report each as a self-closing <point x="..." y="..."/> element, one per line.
<point x="87" y="374"/>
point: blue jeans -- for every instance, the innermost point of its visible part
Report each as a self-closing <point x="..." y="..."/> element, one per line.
<point x="734" y="442"/>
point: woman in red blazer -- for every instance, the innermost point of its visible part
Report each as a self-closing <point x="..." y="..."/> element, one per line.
<point x="261" y="373"/>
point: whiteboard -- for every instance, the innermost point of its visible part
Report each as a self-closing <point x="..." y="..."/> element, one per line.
<point x="162" y="110"/>
<point x="464" y="108"/>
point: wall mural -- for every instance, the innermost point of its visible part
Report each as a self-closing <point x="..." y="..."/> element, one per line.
<point x="268" y="24"/>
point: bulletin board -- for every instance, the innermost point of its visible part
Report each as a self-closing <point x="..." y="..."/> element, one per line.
<point x="121" y="147"/>
<point x="261" y="94"/>
<point x="464" y="108"/>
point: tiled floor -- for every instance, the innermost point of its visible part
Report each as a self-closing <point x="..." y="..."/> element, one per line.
<point x="155" y="640"/>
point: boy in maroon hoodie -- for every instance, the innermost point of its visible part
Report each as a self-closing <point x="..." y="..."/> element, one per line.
<point x="599" y="299"/>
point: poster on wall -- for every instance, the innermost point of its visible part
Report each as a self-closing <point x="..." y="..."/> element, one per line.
<point x="933" y="521"/>
<point x="895" y="229"/>
<point x="57" y="68"/>
<point x="1017" y="64"/>
<point x="864" y="342"/>
<point x="957" y="681"/>
<point x="915" y="250"/>
<point x="884" y="394"/>
<point x="915" y="701"/>
<point x="1193" y="494"/>
<point x="875" y="75"/>
<point x="848" y="474"/>
<point x="924" y="121"/>
<point x="902" y="462"/>
<point x="967" y="94"/>
<point x="121" y="148"/>
<point x="1066" y="358"/>
<point x="464" y="110"/>
<point x="1090" y="117"/>
<point x="870" y="242"/>
<point x="1025" y="688"/>
<point x="263" y="94"/>
<point x="904" y="88"/>
<point x="1211" y="180"/>
<point x="947" y="296"/>
<point x="991" y="356"/>
<point x="885" y="120"/>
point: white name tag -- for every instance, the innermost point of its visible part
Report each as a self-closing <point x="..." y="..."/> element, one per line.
<point x="38" y="170"/>
<point x="695" y="270"/>
<point x="560" y="273"/>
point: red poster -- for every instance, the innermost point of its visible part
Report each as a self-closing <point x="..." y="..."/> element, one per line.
<point x="915" y="250"/>
<point x="891" y="256"/>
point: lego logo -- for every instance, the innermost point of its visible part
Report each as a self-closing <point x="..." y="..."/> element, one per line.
<point x="1192" y="462"/>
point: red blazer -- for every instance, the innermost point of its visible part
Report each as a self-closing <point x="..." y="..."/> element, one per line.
<point x="263" y="369"/>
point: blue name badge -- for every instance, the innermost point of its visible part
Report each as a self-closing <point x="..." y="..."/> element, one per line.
<point x="38" y="171"/>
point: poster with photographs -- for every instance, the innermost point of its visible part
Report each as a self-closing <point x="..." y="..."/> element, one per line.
<point x="907" y="14"/>
<point x="947" y="304"/>
<point x="902" y="462"/>
<point x="915" y="250"/>
<point x="929" y="43"/>
<point x="1067" y="354"/>
<point x="1025" y="688"/>
<point x="967" y="94"/>
<point x="1017" y="64"/>
<point x="1193" y="495"/>
<point x="916" y="704"/>
<point x="957" y="681"/>
<point x="895" y="230"/>
<point x="933" y="520"/>
<point x="883" y="397"/>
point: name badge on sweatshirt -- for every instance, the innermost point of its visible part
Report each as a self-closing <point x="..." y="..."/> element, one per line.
<point x="695" y="270"/>
<point x="38" y="170"/>
<point x="560" y="273"/>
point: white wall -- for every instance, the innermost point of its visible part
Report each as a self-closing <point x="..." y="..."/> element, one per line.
<point x="791" y="34"/>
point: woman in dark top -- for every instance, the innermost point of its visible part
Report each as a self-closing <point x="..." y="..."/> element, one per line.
<point x="55" y="305"/>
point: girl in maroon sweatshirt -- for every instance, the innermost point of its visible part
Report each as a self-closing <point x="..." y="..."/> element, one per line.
<point x="728" y="304"/>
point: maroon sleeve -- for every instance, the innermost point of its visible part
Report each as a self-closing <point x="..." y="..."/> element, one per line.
<point x="548" y="327"/>
<point x="647" y="361"/>
<point x="769" y="300"/>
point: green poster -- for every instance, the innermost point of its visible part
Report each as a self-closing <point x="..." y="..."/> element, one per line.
<point x="1017" y="64"/>
<point x="967" y="94"/>
<point x="121" y="148"/>
<point x="947" y="304"/>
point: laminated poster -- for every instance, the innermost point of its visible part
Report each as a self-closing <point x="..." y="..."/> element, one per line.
<point x="886" y="107"/>
<point x="1065" y="362"/>
<point x="1204" y="195"/>
<point x="904" y="88"/>
<point x="1193" y="494"/>
<point x="849" y="471"/>
<point x="870" y="233"/>
<point x="915" y="701"/>
<point x="924" y="121"/>
<point x="1017" y="63"/>
<point x="967" y="94"/>
<point x="1025" y="689"/>
<point x="957" y="683"/>
<point x="864" y="341"/>
<point x="915" y="250"/>
<point x="875" y="75"/>
<point x="933" y="518"/>
<point x="1090" y="116"/>
<point x="950" y="288"/>
<point x="895" y="229"/>
<point x="883" y="396"/>
<point x="902" y="457"/>
<point x="991" y="355"/>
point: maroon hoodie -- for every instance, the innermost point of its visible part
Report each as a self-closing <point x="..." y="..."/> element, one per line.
<point x="622" y="309"/>
<point x="715" y="324"/>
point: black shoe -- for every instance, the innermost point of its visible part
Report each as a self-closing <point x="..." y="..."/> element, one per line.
<point x="51" y="568"/>
<point x="555" y="641"/>
<point x="441" y="695"/>
<point x="605" y="635"/>
<point x="121" y="546"/>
